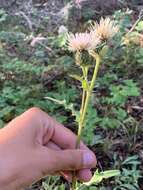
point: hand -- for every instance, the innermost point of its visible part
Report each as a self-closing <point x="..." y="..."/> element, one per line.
<point x="34" y="145"/>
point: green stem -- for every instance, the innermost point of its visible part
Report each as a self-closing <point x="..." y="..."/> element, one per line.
<point x="83" y="101"/>
<point x="85" y="73"/>
<point x="84" y="106"/>
<point x="97" y="57"/>
<point x="79" y="136"/>
<point x="73" y="181"/>
<point x="89" y="92"/>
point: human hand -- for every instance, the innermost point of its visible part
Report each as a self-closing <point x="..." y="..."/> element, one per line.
<point x="34" y="145"/>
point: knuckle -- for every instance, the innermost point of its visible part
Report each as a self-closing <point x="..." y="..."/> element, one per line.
<point x="35" y="110"/>
<point x="75" y="160"/>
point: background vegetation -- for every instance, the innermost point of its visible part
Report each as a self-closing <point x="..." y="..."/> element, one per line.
<point x="34" y="64"/>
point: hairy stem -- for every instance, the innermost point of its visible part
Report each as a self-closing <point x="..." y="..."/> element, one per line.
<point x="79" y="136"/>
<point x="89" y="92"/>
<point x="84" y="106"/>
<point x="83" y="101"/>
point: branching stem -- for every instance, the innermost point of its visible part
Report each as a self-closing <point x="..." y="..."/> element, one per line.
<point x="84" y="106"/>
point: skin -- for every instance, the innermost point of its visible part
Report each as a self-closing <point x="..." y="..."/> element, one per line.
<point x="34" y="145"/>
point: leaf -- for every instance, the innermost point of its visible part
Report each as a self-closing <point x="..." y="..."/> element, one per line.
<point x="139" y="27"/>
<point x="79" y="78"/>
<point x="45" y="186"/>
<point x="66" y="106"/>
<point x="99" y="176"/>
<point x="104" y="51"/>
<point x="3" y="15"/>
<point x="110" y="173"/>
<point x="132" y="160"/>
<point x="7" y="113"/>
<point x="129" y="186"/>
<point x="85" y="85"/>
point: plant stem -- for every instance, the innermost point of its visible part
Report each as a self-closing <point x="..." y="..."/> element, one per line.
<point x="79" y="136"/>
<point x="73" y="181"/>
<point x="85" y="73"/>
<point x="85" y="101"/>
<point x="89" y="92"/>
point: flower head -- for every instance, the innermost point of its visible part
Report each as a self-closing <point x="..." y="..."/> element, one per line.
<point x="105" y="29"/>
<point x="82" y="41"/>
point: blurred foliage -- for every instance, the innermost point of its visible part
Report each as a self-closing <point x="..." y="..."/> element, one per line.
<point x="130" y="174"/>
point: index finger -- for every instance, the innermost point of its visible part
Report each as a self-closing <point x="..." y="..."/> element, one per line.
<point x="62" y="136"/>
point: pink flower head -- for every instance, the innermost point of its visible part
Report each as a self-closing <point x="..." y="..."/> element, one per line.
<point x="105" y="29"/>
<point x="81" y="41"/>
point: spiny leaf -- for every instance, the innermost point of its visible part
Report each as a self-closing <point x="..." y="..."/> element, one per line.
<point x="66" y="106"/>
<point x="99" y="176"/>
<point x="79" y="78"/>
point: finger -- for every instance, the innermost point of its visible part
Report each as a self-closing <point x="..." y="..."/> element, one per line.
<point x="30" y="125"/>
<point x="68" y="140"/>
<point x="69" y="160"/>
<point x="64" y="137"/>
<point x="52" y="146"/>
<point x="84" y="175"/>
<point x="61" y="136"/>
<point x="52" y="130"/>
<point x="37" y="121"/>
<point x="66" y="174"/>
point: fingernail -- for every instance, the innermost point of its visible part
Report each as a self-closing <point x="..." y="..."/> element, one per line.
<point x="88" y="159"/>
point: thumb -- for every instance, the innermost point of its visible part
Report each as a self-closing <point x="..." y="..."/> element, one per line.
<point x="53" y="161"/>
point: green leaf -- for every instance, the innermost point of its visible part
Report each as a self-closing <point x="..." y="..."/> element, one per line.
<point x="131" y="160"/>
<point x="66" y="106"/>
<point x="7" y="113"/>
<point x="129" y="186"/>
<point x="77" y="77"/>
<point x="110" y="173"/>
<point x="1" y="123"/>
<point x="139" y="26"/>
<point x="99" y="176"/>
<point x="3" y="15"/>
<point x="85" y="85"/>
<point x="104" y="51"/>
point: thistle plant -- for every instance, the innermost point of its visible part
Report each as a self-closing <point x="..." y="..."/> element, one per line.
<point x="88" y="45"/>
